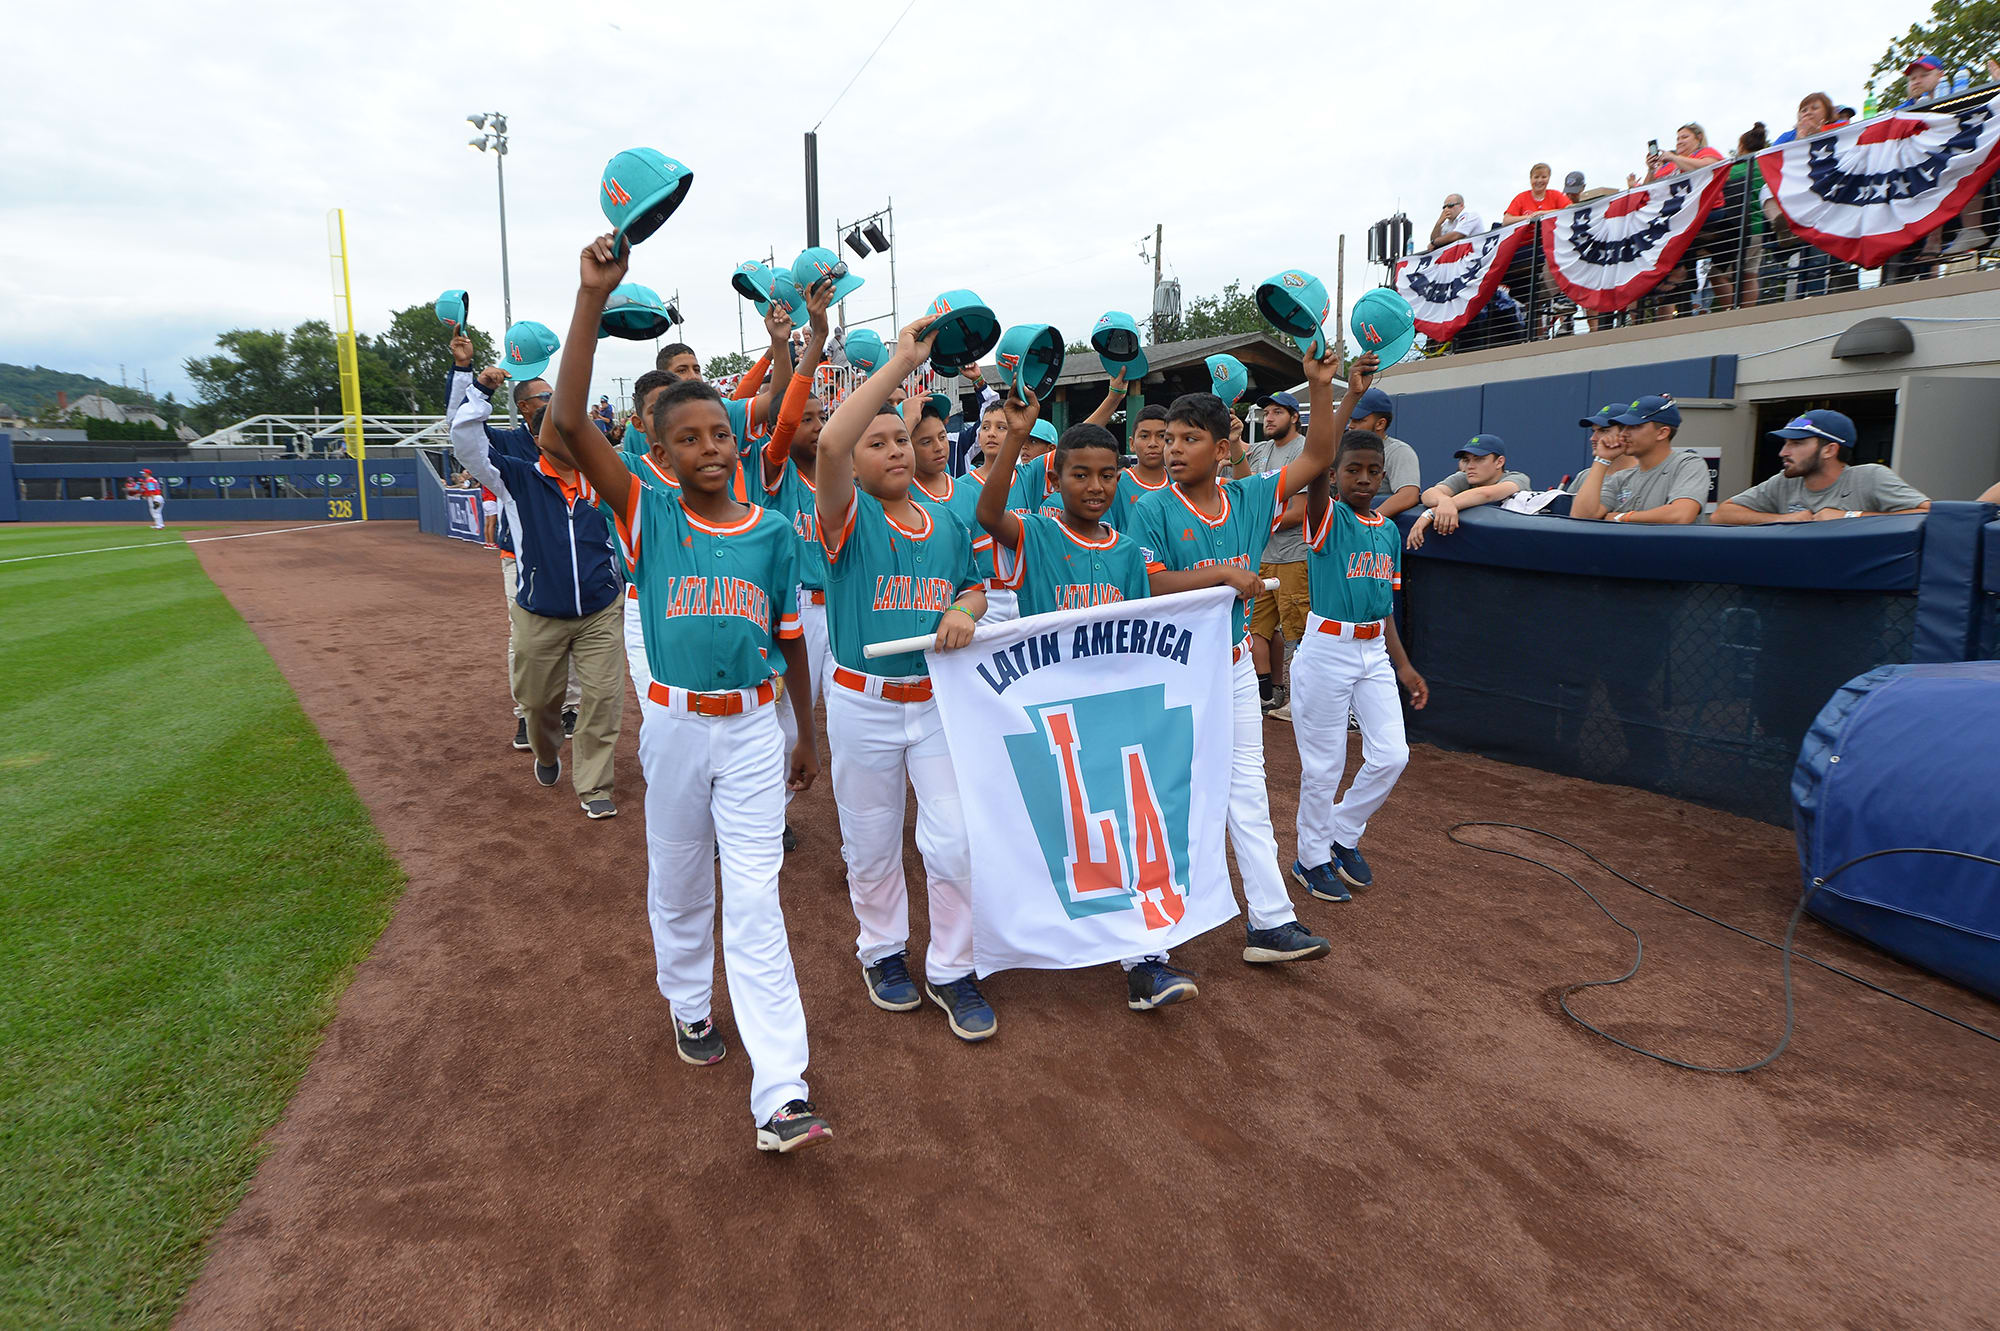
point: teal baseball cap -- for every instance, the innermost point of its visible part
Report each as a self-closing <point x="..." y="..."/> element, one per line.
<point x="1382" y="323"/>
<point x="530" y="347"/>
<point x="453" y="308"/>
<point x="819" y="263"/>
<point x="1314" y="347"/>
<point x="1228" y="379"/>
<point x="1116" y="342"/>
<point x="640" y="189"/>
<point x="786" y="292"/>
<point x="965" y="328"/>
<point x="752" y="281"/>
<point x="1030" y="358"/>
<point x="1044" y="431"/>
<point x="635" y="313"/>
<point x="865" y="351"/>
<point x="1294" y="302"/>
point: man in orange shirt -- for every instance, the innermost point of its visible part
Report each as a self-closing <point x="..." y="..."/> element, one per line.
<point x="1537" y="198"/>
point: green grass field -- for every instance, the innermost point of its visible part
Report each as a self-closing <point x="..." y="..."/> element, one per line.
<point x="186" y="882"/>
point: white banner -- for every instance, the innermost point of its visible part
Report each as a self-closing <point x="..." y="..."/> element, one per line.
<point x="1865" y="191"/>
<point x="1075" y="737"/>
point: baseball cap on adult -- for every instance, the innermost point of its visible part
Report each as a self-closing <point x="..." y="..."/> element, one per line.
<point x="1605" y="416"/>
<point x="1832" y="426"/>
<point x="1375" y="402"/>
<point x="530" y="346"/>
<point x="1285" y="400"/>
<point x="1482" y="446"/>
<point x="640" y="189"/>
<point x="1924" y="62"/>
<point x="1653" y="409"/>
<point x="1573" y="184"/>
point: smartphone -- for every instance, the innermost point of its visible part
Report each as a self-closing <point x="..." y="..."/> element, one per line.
<point x="1652" y="148"/>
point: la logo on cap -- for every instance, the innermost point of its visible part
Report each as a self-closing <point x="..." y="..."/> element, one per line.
<point x="940" y="306"/>
<point x="616" y="192"/>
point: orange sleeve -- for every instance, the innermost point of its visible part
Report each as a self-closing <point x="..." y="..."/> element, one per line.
<point x="779" y="446"/>
<point x="753" y="378"/>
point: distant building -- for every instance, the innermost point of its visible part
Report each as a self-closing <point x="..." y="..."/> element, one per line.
<point x="98" y="407"/>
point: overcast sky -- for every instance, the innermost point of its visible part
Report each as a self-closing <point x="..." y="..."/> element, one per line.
<point x="165" y="170"/>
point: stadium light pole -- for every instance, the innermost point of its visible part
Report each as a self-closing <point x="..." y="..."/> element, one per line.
<point x="495" y="141"/>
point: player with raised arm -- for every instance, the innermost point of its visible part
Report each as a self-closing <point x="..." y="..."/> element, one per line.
<point x="896" y="569"/>
<point x="718" y="582"/>
<point x="1205" y="531"/>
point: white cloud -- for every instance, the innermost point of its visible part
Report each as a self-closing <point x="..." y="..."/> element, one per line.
<point x="169" y="175"/>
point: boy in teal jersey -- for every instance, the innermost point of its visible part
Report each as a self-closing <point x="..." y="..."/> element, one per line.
<point x="1074" y="559"/>
<point x="1148" y="472"/>
<point x="935" y="487"/>
<point x="896" y="569"/>
<point x="717" y="586"/>
<point x="1351" y="659"/>
<point x="1205" y="531"/>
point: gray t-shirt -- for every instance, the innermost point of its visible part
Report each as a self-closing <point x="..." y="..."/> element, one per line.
<point x="1682" y="476"/>
<point x="1457" y="484"/>
<point x="1399" y="466"/>
<point x="1289" y="545"/>
<point x="1868" y="488"/>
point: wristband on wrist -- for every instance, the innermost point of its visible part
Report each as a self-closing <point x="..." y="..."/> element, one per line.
<point x="1618" y="517"/>
<point x="1853" y="512"/>
<point x="963" y="611"/>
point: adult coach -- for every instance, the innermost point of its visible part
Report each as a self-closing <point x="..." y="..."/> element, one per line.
<point x="1284" y="557"/>
<point x="1817" y="481"/>
<point x="566" y="611"/>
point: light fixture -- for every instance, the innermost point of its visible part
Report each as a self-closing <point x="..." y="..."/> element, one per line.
<point x="477" y="145"/>
<point x="477" y="122"/>
<point x="857" y="244"/>
<point x="875" y="237"/>
<point x="674" y="314"/>
<point x="499" y="123"/>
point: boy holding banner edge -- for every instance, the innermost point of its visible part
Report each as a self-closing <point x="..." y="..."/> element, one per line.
<point x="1205" y="531"/>
<point x="1068" y="561"/>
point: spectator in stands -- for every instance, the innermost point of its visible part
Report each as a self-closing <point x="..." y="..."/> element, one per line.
<point x="1482" y="478"/>
<point x="1455" y="223"/>
<point x="1737" y="225"/>
<point x="604" y="417"/>
<point x="1815" y="114"/>
<point x="1573" y="185"/>
<point x="1537" y="198"/>
<point x="1666" y="486"/>
<point x="1402" y="477"/>
<point x="1924" y="79"/>
<point x="1607" y="446"/>
<point x="1817" y="481"/>
<point x="1691" y="153"/>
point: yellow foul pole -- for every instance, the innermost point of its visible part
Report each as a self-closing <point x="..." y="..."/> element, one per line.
<point x="350" y="359"/>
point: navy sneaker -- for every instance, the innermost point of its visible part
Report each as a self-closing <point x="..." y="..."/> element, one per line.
<point x="1321" y="881"/>
<point x="569" y="722"/>
<point x="889" y="984"/>
<point x="797" y="1124"/>
<point x="1152" y="984"/>
<point x="970" y="1015"/>
<point x="1347" y="860"/>
<point x="699" y="1042"/>
<point x="1286" y="942"/>
<point x="521" y="733"/>
<point x="550" y="774"/>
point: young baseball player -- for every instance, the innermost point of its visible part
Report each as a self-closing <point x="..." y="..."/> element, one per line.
<point x="1205" y="531"/>
<point x="1351" y="659"/>
<point x="1074" y="558"/>
<point x="718" y="581"/>
<point x="1148" y="472"/>
<point x="155" y="496"/>
<point x="896" y="569"/>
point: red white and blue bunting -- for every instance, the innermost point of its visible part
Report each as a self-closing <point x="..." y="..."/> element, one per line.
<point x="1863" y="192"/>
<point x="1607" y="254"/>
<point x="1447" y="288"/>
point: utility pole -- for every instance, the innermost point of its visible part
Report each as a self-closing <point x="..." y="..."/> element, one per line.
<point x="621" y="393"/>
<point x="1159" y="233"/>
<point x="812" y="188"/>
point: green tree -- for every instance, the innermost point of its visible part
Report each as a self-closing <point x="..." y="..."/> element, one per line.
<point x="417" y="351"/>
<point x="1960" y="33"/>
<point x="731" y="362"/>
<point x="137" y="431"/>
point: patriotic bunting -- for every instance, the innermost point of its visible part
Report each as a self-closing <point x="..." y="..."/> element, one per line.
<point x="1866" y="191"/>
<point x="1447" y="288"/>
<point x="1607" y="254"/>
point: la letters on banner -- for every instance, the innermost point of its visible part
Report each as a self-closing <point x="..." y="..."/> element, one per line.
<point x="1075" y="737"/>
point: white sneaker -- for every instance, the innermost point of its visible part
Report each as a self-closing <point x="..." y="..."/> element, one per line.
<point x="1968" y="239"/>
<point x="1280" y="713"/>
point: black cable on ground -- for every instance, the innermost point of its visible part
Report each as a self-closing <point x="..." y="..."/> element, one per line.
<point x="1785" y="947"/>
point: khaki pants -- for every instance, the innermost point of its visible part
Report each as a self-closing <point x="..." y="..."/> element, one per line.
<point x="594" y="646"/>
<point x="510" y="577"/>
<point x="1283" y="608"/>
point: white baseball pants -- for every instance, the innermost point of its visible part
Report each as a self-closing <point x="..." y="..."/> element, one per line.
<point x="635" y="645"/>
<point x="876" y="745"/>
<point x="1002" y="605"/>
<point x="1330" y="677"/>
<point x="1250" y="834"/>
<point x="819" y="661"/>
<point x="720" y="780"/>
<point x="573" y="691"/>
<point x="157" y="506"/>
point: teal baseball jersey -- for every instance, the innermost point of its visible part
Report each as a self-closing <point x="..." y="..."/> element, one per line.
<point x="1124" y="510"/>
<point x="1052" y="568"/>
<point x="1353" y="564"/>
<point x="961" y="500"/>
<point x="749" y="434"/>
<point x="793" y="497"/>
<point x="1178" y="537"/>
<point x="1032" y="491"/>
<point x="885" y="581"/>
<point x="713" y="601"/>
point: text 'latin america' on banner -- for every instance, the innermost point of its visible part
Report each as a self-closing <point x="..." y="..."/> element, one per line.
<point x="1076" y="737"/>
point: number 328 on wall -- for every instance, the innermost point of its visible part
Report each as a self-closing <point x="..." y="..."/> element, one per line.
<point x="340" y="508"/>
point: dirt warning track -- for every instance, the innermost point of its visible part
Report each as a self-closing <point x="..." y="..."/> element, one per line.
<point x="497" y="1132"/>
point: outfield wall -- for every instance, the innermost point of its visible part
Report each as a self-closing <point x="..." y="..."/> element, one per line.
<point x="241" y="490"/>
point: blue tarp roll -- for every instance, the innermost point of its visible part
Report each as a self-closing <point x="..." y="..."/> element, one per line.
<point x="1909" y="755"/>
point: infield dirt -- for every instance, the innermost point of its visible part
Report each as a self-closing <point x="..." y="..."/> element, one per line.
<point x="496" y="1131"/>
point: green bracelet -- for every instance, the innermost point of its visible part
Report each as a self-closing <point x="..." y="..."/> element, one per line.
<point x="963" y="611"/>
